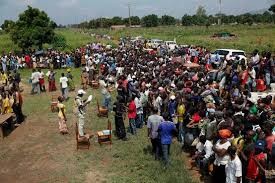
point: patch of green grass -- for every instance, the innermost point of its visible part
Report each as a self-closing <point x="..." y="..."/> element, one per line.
<point x="248" y="37"/>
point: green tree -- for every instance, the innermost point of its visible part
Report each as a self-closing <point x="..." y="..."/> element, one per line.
<point x="135" y="20"/>
<point x="7" y="25"/>
<point x="59" y="42"/>
<point x="117" y="21"/>
<point x="272" y="8"/>
<point x="201" y="11"/>
<point x="167" y="20"/>
<point x="150" y="21"/>
<point x="186" y="20"/>
<point x="33" y="28"/>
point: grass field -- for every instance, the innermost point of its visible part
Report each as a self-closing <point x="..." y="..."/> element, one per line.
<point x="248" y="37"/>
<point x="36" y="152"/>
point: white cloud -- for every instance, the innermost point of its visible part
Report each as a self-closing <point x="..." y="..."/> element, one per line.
<point x="67" y="3"/>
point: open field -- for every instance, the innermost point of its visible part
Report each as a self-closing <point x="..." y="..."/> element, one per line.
<point x="248" y="37"/>
<point x="36" y="152"/>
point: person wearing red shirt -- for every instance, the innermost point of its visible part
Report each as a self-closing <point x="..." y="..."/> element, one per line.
<point x="132" y="113"/>
<point x="253" y="172"/>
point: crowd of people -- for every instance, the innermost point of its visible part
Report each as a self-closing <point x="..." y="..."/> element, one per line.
<point x="11" y="99"/>
<point x="205" y="101"/>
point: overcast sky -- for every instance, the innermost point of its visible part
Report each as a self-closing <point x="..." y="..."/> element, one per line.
<point x="75" y="11"/>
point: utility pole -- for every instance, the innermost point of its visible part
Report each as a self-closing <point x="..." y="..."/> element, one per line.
<point x="220" y="13"/>
<point x="129" y="11"/>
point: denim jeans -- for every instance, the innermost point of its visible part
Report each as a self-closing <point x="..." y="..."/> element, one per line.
<point x="132" y="124"/>
<point x="165" y="153"/>
<point x="35" y="86"/>
<point x="267" y="78"/>
<point x="181" y="133"/>
<point x="156" y="148"/>
<point x="139" y="120"/>
<point x="64" y="92"/>
<point x="107" y="103"/>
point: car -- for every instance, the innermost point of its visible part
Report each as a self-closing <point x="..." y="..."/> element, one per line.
<point x="154" y="43"/>
<point x="232" y="52"/>
<point x="171" y="45"/>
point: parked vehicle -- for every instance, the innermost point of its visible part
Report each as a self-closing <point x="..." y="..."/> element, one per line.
<point x="232" y="53"/>
<point x="171" y="45"/>
<point x="154" y="43"/>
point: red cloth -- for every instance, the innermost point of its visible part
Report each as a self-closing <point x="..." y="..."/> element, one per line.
<point x="244" y="77"/>
<point x="269" y="141"/>
<point x="132" y="110"/>
<point x="52" y="86"/>
<point x="196" y="118"/>
<point x="252" y="168"/>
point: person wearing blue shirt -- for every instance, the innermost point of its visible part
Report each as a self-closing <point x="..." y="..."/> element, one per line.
<point x="166" y="130"/>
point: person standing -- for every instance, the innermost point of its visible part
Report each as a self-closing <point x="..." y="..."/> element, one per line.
<point x="35" y="81"/>
<point x="64" y="85"/>
<point x="132" y="114"/>
<point x="71" y="85"/>
<point x="221" y="156"/>
<point x="62" y="116"/>
<point x="139" y="119"/>
<point x="51" y="79"/>
<point x="41" y="80"/>
<point x="119" y="110"/>
<point x="84" y="79"/>
<point x="233" y="169"/>
<point x="107" y="99"/>
<point x="166" y="130"/>
<point x="17" y="106"/>
<point x="153" y="123"/>
<point x="80" y="105"/>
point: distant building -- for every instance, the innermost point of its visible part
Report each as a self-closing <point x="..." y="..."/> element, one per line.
<point x="117" y="27"/>
<point x="135" y="26"/>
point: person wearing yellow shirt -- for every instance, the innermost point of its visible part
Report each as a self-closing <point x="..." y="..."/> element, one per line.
<point x="180" y="115"/>
<point x="62" y="116"/>
<point x="6" y="105"/>
<point x="4" y="78"/>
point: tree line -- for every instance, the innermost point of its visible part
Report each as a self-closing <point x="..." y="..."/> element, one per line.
<point x="200" y="18"/>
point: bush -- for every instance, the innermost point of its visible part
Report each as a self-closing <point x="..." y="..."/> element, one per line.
<point x="59" y="42"/>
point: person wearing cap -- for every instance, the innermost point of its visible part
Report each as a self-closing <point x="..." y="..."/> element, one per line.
<point x="172" y="105"/>
<point x="81" y="104"/>
<point x="233" y="169"/>
<point x="221" y="156"/>
<point x="252" y="172"/>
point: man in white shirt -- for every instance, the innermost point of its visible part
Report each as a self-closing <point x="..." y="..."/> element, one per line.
<point x="64" y="85"/>
<point x="35" y="81"/>
<point x="233" y="169"/>
<point x="139" y="120"/>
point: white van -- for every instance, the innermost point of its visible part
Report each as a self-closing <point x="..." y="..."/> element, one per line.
<point x="171" y="45"/>
<point x="154" y="43"/>
<point x="233" y="53"/>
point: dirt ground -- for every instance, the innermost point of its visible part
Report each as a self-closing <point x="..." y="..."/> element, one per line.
<point x="27" y="154"/>
<point x="36" y="152"/>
